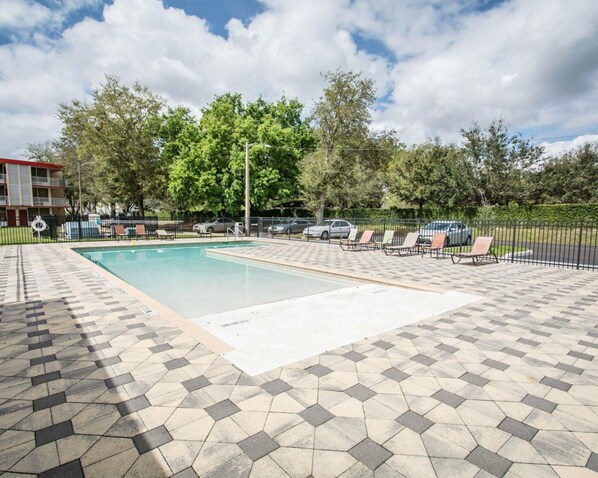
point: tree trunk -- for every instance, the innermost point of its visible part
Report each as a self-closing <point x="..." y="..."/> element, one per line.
<point x="140" y="206"/>
<point x="320" y="210"/>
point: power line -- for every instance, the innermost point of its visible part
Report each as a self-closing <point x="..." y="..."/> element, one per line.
<point x="565" y="137"/>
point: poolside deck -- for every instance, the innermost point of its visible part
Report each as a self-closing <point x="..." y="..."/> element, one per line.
<point x="91" y="385"/>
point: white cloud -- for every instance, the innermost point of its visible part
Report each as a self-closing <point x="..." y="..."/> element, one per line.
<point x="558" y="147"/>
<point x="21" y="14"/>
<point x="532" y="62"/>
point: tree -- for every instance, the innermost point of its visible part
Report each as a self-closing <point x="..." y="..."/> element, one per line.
<point x="571" y="177"/>
<point x="431" y="174"/>
<point x="338" y="169"/>
<point x="208" y="170"/>
<point x="501" y="163"/>
<point x="118" y="130"/>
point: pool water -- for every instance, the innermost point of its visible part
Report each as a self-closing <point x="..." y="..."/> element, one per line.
<point x="194" y="283"/>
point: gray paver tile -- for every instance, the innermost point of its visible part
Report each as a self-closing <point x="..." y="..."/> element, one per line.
<point x="120" y="380"/>
<point x="71" y="469"/>
<point x="196" y="383"/>
<point x="151" y="439"/>
<point x="276" y="387"/>
<point x="53" y="433"/>
<point x="551" y="382"/>
<point x="370" y="453"/>
<point x="488" y="461"/>
<point x="360" y="392"/>
<point x="319" y="370"/>
<point x="354" y="356"/>
<point x="258" y="445"/>
<point x="415" y="421"/>
<point x="518" y="429"/>
<point x="133" y="405"/>
<point x="49" y="401"/>
<point x="395" y="374"/>
<point x="222" y="409"/>
<point x="176" y="363"/>
<point x="316" y="415"/>
<point x="383" y="344"/>
<point x="539" y="403"/>
<point x="449" y="398"/>
<point x="474" y="379"/>
<point x="423" y="360"/>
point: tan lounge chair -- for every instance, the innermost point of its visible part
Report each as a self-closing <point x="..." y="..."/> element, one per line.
<point x="162" y="234"/>
<point x="481" y="249"/>
<point x="365" y="242"/>
<point x="438" y="243"/>
<point x="409" y="246"/>
<point x="386" y="240"/>
<point x="119" y="231"/>
<point x="140" y="231"/>
<point x="351" y="238"/>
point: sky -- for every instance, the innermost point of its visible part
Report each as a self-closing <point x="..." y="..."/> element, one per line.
<point x="438" y="65"/>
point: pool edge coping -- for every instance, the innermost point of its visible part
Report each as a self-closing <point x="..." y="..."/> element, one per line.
<point x="204" y="337"/>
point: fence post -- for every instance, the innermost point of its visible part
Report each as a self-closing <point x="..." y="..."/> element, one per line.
<point x="580" y="242"/>
<point x="514" y="239"/>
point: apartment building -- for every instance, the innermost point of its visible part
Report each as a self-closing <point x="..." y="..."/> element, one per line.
<point x="29" y="189"/>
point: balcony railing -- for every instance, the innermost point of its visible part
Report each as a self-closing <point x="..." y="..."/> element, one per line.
<point x="2" y="178"/>
<point x="43" y="181"/>
<point x="60" y="202"/>
<point x="3" y="200"/>
<point x="57" y="202"/>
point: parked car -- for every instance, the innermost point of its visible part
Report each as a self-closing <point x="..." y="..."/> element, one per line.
<point x="329" y="228"/>
<point x="456" y="232"/>
<point x="290" y="227"/>
<point x="220" y="224"/>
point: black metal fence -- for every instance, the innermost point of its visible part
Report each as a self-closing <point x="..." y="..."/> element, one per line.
<point x="551" y="243"/>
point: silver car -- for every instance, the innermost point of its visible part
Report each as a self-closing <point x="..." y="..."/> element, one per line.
<point x="220" y="224"/>
<point x="456" y="232"/>
<point x="329" y="228"/>
<point x="290" y="227"/>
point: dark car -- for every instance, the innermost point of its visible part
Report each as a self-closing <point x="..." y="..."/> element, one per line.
<point x="456" y="232"/>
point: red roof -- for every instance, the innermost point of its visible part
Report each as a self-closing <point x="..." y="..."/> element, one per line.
<point x="33" y="164"/>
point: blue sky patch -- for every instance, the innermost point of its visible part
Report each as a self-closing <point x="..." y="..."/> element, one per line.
<point x="218" y="12"/>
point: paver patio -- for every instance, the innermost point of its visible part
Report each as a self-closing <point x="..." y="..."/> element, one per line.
<point x="91" y="385"/>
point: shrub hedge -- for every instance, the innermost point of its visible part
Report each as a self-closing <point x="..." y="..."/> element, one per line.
<point x="536" y="212"/>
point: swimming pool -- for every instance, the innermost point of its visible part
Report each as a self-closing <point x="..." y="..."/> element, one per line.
<point x="194" y="283"/>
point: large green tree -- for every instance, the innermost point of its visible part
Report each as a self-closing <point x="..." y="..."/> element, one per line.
<point x="208" y="166"/>
<point x="431" y="174"/>
<point x="118" y="130"/>
<point x="501" y="163"/>
<point x="339" y="172"/>
<point x="571" y="177"/>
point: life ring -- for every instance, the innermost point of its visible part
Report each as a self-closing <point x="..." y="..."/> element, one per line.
<point x="39" y="225"/>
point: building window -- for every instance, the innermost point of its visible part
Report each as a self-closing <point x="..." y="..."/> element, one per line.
<point x="39" y="172"/>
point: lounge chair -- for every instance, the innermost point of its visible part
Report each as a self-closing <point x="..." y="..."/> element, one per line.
<point x="386" y="240"/>
<point x="438" y="243"/>
<point x="202" y="231"/>
<point x="351" y="238"/>
<point x="365" y="242"/>
<point x="141" y="232"/>
<point x="162" y="234"/>
<point x="409" y="246"/>
<point x="481" y="249"/>
<point x="120" y="231"/>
